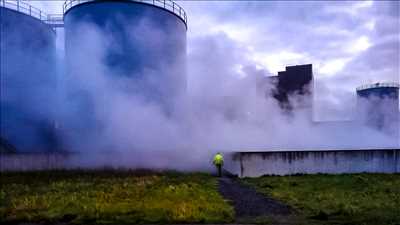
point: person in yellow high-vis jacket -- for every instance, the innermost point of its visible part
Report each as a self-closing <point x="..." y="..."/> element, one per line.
<point x="219" y="162"/>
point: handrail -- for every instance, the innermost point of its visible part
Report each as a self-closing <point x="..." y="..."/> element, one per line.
<point x="53" y="20"/>
<point x="378" y="85"/>
<point x="24" y="8"/>
<point x="165" y="4"/>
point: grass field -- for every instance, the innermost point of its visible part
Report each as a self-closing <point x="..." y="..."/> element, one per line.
<point x="116" y="197"/>
<point x="123" y="197"/>
<point x="362" y="199"/>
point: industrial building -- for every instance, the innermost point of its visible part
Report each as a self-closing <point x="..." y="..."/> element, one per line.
<point x="28" y="77"/>
<point x="295" y="82"/>
<point x="377" y="103"/>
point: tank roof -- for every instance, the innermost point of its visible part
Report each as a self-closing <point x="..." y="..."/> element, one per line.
<point x="378" y="85"/>
<point x="168" y="5"/>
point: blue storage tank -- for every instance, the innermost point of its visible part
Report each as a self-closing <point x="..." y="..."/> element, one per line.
<point x="142" y="44"/>
<point x="380" y="90"/>
<point x="28" y="77"/>
<point x="378" y="106"/>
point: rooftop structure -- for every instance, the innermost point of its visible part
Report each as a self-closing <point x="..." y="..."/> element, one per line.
<point x="295" y="81"/>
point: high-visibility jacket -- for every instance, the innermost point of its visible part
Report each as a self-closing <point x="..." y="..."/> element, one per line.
<point x="218" y="159"/>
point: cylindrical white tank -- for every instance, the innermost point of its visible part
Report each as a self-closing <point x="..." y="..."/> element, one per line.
<point x="138" y="47"/>
<point x="378" y="106"/>
<point x="28" y="77"/>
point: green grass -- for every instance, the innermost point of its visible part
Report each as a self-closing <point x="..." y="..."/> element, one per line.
<point x="116" y="197"/>
<point x="126" y="197"/>
<point x="370" y="199"/>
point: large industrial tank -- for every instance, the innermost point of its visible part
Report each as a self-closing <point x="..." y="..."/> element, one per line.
<point x="137" y="48"/>
<point x="378" y="106"/>
<point x="28" y="79"/>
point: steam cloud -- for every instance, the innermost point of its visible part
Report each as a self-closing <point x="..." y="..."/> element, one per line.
<point x="220" y="111"/>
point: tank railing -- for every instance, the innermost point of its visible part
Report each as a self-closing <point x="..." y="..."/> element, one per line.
<point x="22" y="7"/>
<point x="379" y="84"/>
<point x="165" y="4"/>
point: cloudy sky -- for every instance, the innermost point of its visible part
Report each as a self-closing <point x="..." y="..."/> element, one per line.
<point x="349" y="43"/>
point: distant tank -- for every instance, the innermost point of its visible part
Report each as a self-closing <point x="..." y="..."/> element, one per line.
<point x="138" y="46"/>
<point x="378" y="106"/>
<point x="28" y="77"/>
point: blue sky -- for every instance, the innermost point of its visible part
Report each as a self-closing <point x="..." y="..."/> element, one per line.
<point x="349" y="43"/>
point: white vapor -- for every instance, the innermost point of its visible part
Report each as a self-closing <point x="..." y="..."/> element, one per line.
<point x="220" y="111"/>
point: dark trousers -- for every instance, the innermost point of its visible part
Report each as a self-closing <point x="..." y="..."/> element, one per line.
<point x="219" y="169"/>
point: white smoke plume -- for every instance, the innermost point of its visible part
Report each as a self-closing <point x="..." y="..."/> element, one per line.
<point x="220" y="111"/>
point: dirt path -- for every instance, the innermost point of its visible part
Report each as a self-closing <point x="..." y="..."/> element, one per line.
<point x="250" y="204"/>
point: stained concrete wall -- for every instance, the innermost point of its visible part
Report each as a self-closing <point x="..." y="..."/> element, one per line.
<point x="243" y="164"/>
<point x="33" y="161"/>
<point x="57" y="160"/>
<point x="255" y="164"/>
<point x="74" y="160"/>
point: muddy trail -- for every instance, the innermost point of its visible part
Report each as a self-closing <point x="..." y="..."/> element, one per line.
<point x="250" y="205"/>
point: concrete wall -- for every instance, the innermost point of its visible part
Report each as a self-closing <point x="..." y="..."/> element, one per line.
<point x="254" y="164"/>
<point x="33" y="161"/>
<point x="243" y="164"/>
<point x="54" y="161"/>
